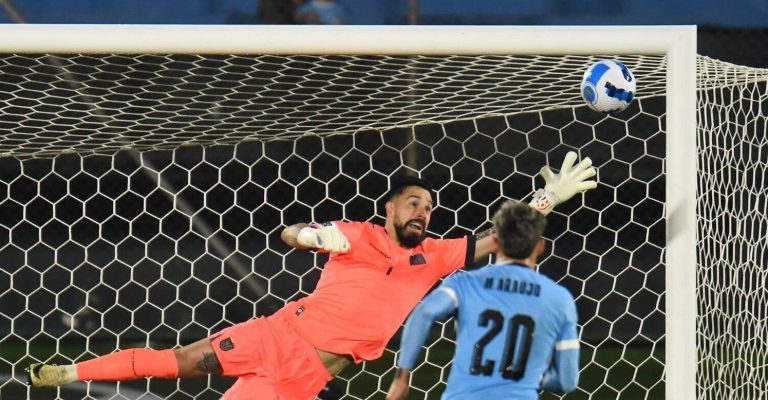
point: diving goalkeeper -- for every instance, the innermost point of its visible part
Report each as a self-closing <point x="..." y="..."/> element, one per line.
<point x="373" y="278"/>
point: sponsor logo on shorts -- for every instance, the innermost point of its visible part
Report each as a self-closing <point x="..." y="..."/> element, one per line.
<point x="226" y="344"/>
<point x="299" y="310"/>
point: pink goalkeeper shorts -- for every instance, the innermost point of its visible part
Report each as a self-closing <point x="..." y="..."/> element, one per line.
<point x="270" y="361"/>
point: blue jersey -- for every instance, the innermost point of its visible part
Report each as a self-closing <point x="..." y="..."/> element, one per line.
<point x="516" y="333"/>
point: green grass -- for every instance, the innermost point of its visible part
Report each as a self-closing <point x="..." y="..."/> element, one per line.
<point x="631" y="373"/>
<point x="612" y="373"/>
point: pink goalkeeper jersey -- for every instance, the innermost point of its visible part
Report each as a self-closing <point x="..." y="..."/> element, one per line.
<point x="364" y="296"/>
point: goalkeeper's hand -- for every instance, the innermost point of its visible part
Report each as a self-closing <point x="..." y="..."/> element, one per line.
<point x="560" y="187"/>
<point x="325" y="237"/>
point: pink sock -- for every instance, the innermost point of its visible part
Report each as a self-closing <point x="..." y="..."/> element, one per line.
<point x="129" y="364"/>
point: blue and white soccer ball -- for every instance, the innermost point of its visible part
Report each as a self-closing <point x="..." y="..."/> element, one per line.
<point x="608" y="86"/>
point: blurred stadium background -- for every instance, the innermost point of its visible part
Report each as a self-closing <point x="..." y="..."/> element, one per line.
<point x="98" y="254"/>
<point x="736" y="32"/>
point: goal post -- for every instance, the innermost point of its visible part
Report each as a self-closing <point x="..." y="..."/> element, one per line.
<point x="344" y="39"/>
<point x="680" y="210"/>
<point x="674" y="45"/>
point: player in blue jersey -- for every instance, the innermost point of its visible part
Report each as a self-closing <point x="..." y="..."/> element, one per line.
<point x="516" y="328"/>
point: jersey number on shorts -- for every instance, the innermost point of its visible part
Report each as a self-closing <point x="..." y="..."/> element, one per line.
<point x="519" y="338"/>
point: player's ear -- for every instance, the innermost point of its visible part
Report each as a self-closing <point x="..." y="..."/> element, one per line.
<point x="389" y="207"/>
<point x="540" y="247"/>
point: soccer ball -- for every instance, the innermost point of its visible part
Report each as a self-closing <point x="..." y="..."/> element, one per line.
<point x="608" y="86"/>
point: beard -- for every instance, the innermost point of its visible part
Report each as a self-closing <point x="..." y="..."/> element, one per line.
<point x="409" y="239"/>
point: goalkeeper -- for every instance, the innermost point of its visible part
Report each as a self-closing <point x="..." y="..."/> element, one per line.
<point x="373" y="278"/>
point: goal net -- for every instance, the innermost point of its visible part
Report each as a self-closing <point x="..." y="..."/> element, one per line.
<point x="732" y="229"/>
<point x="143" y="195"/>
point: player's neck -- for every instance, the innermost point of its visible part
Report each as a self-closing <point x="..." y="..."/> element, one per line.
<point x="529" y="262"/>
<point x="390" y="230"/>
<point x="392" y="233"/>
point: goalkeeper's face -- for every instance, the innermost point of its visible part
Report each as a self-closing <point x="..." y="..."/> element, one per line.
<point x="410" y="213"/>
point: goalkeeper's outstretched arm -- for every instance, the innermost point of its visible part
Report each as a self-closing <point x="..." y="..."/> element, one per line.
<point x="558" y="188"/>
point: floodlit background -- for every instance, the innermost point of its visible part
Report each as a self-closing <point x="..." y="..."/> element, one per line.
<point x="103" y="249"/>
<point x="734" y="31"/>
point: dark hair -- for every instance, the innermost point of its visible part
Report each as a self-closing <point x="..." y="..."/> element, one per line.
<point x="518" y="228"/>
<point x="405" y="181"/>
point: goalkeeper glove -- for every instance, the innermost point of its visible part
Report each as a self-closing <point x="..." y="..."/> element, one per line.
<point x="325" y="237"/>
<point x="560" y="187"/>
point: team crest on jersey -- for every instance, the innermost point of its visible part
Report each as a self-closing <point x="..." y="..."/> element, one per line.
<point x="418" y="259"/>
<point x="226" y="344"/>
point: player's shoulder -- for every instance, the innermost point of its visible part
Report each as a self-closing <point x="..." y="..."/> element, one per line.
<point x="557" y="290"/>
<point x="352" y="223"/>
<point x="362" y="226"/>
<point x="564" y="294"/>
<point x="480" y="275"/>
<point x="433" y="243"/>
<point x="458" y="277"/>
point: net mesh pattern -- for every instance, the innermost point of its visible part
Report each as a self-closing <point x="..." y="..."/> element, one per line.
<point x="51" y="104"/>
<point x="732" y="231"/>
<point x="143" y="199"/>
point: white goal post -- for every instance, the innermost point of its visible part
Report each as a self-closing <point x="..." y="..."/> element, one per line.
<point x="676" y="43"/>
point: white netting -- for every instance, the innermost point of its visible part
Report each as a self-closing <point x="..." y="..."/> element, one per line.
<point x="161" y="248"/>
<point x="733" y="228"/>
<point x="98" y="104"/>
<point x="158" y="248"/>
